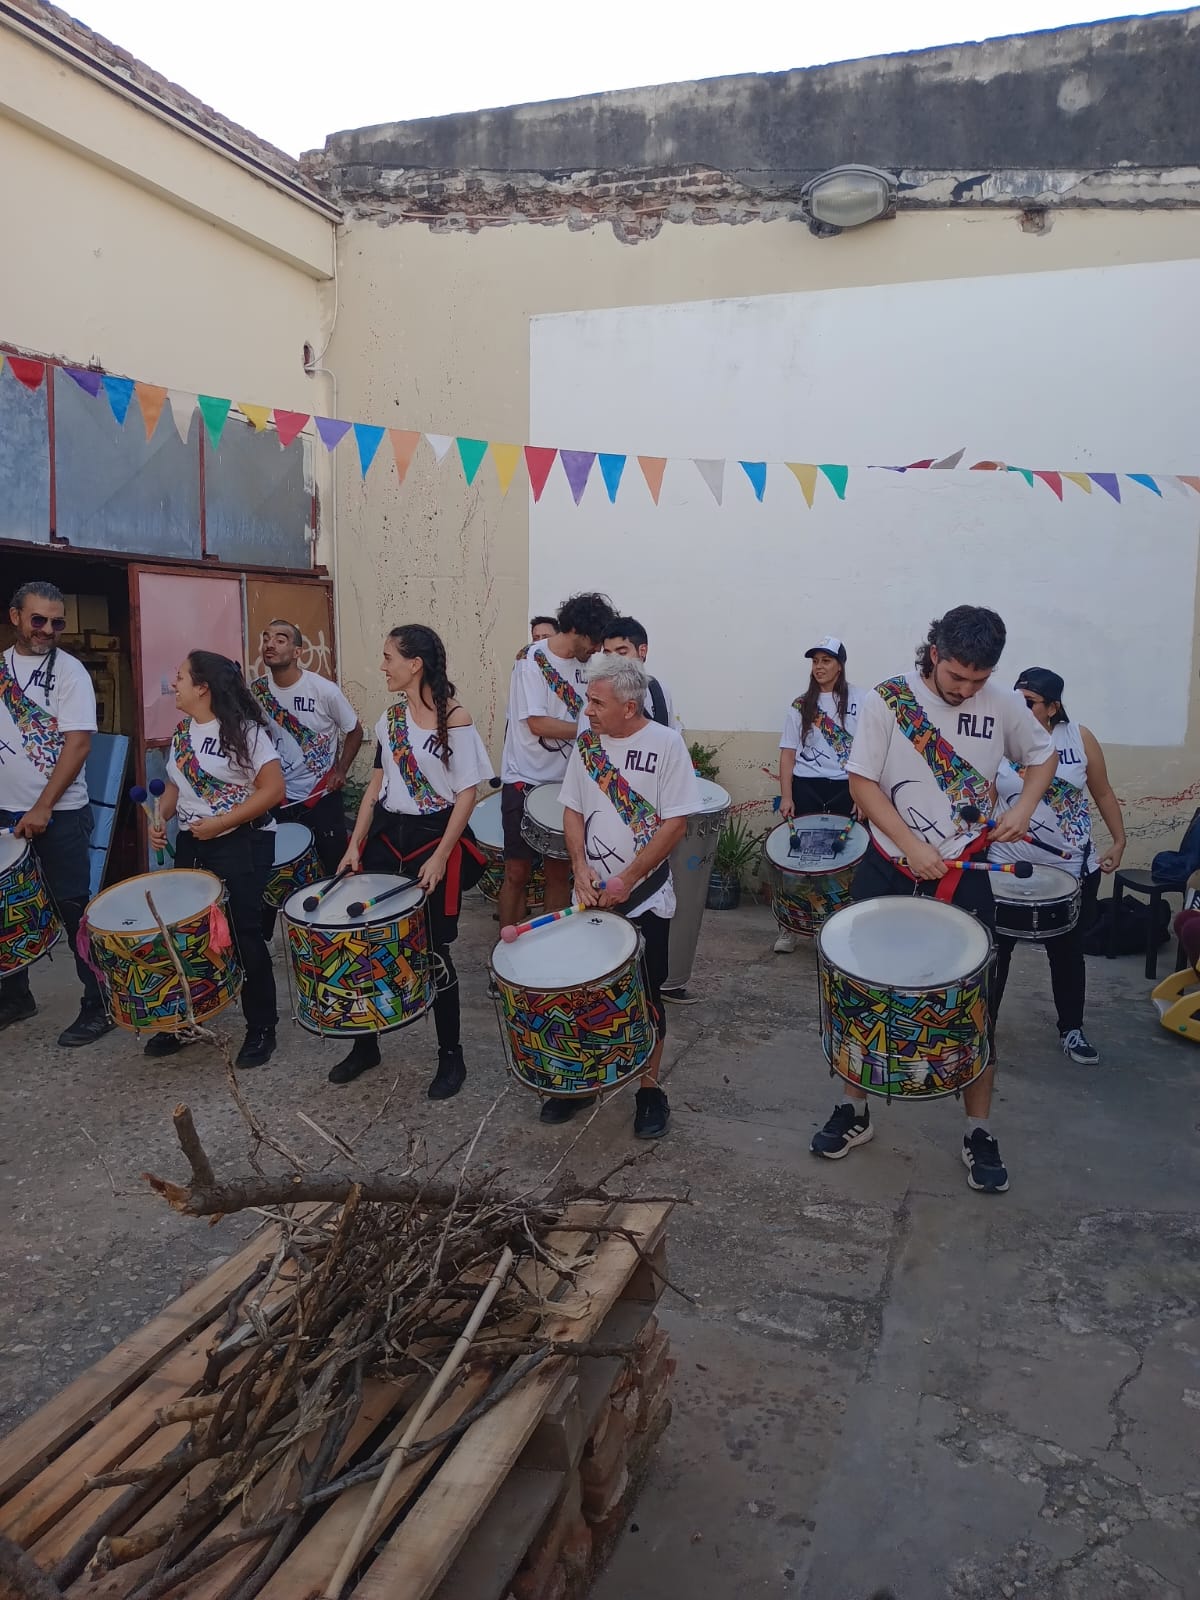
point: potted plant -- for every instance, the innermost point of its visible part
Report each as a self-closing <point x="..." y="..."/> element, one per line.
<point x="737" y="849"/>
<point x="704" y="760"/>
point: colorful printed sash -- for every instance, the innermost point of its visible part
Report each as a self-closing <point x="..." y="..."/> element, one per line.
<point x="219" y="796"/>
<point x="418" y="785"/>
<point x="836" y="737"/>
<point x="634" y="810"/>
<point x="524" y="651"/>
<point x="314" y="746"/>
<point x="955" y="777"/>
<point x="1071" y="811"/>
<point x="558" y="685"/>
<point x="38" y="730"/>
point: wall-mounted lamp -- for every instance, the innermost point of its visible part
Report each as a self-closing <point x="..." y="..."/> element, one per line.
<point x="846" y="197"/>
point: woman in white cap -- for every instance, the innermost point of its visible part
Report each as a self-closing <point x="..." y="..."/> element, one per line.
<point x="815" y="745"/>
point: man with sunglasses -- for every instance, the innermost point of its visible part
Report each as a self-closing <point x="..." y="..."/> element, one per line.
<point x="47" y="718"/>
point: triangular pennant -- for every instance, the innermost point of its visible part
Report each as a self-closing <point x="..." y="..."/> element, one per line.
<point x="332" y="431"/>
<point x="120" y="394"/>
<point x="914" y="465"/>
<point x="1080" y="478"/>
<point x="1107" y="481"/>
<point x="256" y="416"/>
<point x="713" y="473"/>
<point x="439" y="443"/>
<point x="1146" y="481"/>
<point x="653" y="468"/>
<point x="1177" y="488"/>
<point x="28" y="372"/>
<point x="806" y="477"/>
<point x="987" y="466"/>
<point x="577" y="464"/>
<point x="471" y="453"/>
<point x="404" y="448"/>
<point x="611" y="468"/>
<point x="89" y="382"/>
<point x="289" y="425"/>
<point x="838" y="476"/>
<point x="538" y="460"/>
<point x="1024" y="472"/>
<point x="756" y="471"/>
<point x="948" y="463"/>
<point x="1053" y="480"/>
<point x="368" y="438"/>
<point x="505" y="458"/>
<point x="1192" y="482"/>
<point x="216" y="414"/>
<point x="182" y="406"/>
<point x="151" y="399"/>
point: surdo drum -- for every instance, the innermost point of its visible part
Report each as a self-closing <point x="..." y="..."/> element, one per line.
<point x="903" y="993"/>
<point x="542" y="824"/>
<point x="487" y="824"/>
<point x="29" y="924"/>
<point x="808" y="881"/>
<point x="297" y="863"/>
<point x="1038" y="907"/>
<point x="691" y="867"/>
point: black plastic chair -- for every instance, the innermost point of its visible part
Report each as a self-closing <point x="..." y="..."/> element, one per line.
<point x="1141" y="883"/>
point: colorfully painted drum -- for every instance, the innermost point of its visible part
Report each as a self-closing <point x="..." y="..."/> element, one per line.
<point x="29" y="924"/>
<point x="574" y="1010"/>
<point x="542" y="824"/>
<point x="1039" y="907"/>
<point x="904" y="996"/>
<point x="369" y="972"/>
<point x="691" y="867"/>
<point x="487" y="824"/>
<point x="808" y="881"/>
<point x="139" y="979"/>
<point x="297" y="864"/>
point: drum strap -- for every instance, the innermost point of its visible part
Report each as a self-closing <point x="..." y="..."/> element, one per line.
<point x="634" y="810"/>
<point x="558" y="685"/>
<point x="658" y="701"/>
<point x="313" y="746"/>
<point x="407" y="846"/>
<point x="428" y="800"/>
<point x="38" y="729"/>
<point x="947" y="885"/>
<point x="834" y="735"/>
<point x="954" y="776"/>
<point x="220" y="796"/>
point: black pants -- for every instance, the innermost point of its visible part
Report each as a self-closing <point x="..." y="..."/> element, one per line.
<point x="656" y="932"/>
<point x="1068" y="975"/>
<point x="62" y="852"/>
<point x="443" y="931"/>
<point x="326" y="821"/>
<point x="811" y="796"/>
<point x="242" y="860"/>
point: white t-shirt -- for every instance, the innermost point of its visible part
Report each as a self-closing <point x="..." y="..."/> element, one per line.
<point x="819" y="755"/>
<point x="209" y="783"/>
<point x="990" y="725"/>
<point x="656" y="765"/>
<point x="1063" y="818"/>
<point x="31" y="745"/>
<point x="440" y="782"/>
<point x="526" y="758"/>
<point x="306" y="719"/>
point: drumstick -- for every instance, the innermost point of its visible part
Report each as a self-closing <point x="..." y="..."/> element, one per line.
<point x="141" y="797"/>
<point x="842" y="839"/>
<point x="357" y="907"/>
<point x="157" y="789"/>
<point x="312" y="901"/>
<point x="1019" y="869"/>
<point x="514" y="930"/>
<point x="973" y="814"/>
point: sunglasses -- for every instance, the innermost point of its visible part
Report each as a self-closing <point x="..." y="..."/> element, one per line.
<point x="1037" y="701"/>
<point x="55" y="624"/>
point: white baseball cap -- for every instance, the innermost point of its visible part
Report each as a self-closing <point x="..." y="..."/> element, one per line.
<point x="830" y="646"/>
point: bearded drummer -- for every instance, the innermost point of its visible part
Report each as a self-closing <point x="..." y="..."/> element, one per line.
<point x="922" y="772"/>
<point x="627" y="795"/>
<point x="544" y="707"/>
<point x="47" y="718"/>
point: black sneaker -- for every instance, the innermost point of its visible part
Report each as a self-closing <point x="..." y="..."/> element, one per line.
<point x="1078" y="1049"/>
<point x="849" y="1125"/>
<point x="651" y="1113"/>
<point x="680" y="996"/>
<point x="165" y="1044"/>
<point x="562" y="1109"/>
<point x="91" y="1024"/>
<point x="985" y="1170"/>
<point x="16" y="1008"/>
<point x="450" y="1076"/>
<point x="364" y="1054"/>
<point x="257" y="1048"/>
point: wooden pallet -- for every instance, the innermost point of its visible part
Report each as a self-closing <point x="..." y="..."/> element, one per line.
<point x="500" y="1476"/>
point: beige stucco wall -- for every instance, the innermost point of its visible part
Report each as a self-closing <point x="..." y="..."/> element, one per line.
<point x="433" y="333"/>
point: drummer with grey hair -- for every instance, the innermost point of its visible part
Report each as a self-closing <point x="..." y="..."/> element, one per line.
<point x="627" y="794"/>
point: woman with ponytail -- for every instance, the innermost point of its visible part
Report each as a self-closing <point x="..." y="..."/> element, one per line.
<point x="223" y="778"/>
<point x="414" y="820"/>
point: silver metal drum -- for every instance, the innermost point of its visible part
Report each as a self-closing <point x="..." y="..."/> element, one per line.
<point x="542" y="823"/>
<point x="691" y="866"/>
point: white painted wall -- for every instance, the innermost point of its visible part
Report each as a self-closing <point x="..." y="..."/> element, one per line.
<point x="1087" y="369"/>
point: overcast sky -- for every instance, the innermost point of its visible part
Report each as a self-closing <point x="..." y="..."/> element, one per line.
<point x="294" y="73"/>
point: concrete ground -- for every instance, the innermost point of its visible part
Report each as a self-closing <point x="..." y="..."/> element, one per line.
<point x="885" y="1381"/>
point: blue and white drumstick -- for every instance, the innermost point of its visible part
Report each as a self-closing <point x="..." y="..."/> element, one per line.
<point x="515" y="930"/>
<point x="12" y="827"/>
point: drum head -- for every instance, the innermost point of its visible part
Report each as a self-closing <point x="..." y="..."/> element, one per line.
<point x="902" y="942"/>
<point x="292" y="839"/>
<point x="544" y="806"/>
<point x="578" y="949"/>
<point x="333" y="911"/>
<point x="487" y="824"/>
<point x="712" y="798"/>
<point x="1046" y="883"/>
<point x="178" y="892"/>
<point x="11" y="850"/>
<point x="814" y="838"/>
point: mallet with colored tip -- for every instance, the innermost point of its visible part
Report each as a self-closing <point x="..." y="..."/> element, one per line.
<point x="515" y="930"/>
<point x="1019" y="869"/>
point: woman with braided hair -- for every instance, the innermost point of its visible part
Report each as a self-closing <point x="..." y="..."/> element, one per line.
<point x="414" y="820"/>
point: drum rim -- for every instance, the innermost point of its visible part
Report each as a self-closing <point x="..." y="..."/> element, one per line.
<point x="1004" y="892"/>
<point x="287" y="861"/>
<point x="898" y="988"/>
<point x="199" y="872"/>
<point x="841" y="862"/>
<point x="358" y="922"/>
<point x="639" y="945"/>
<point x="708" y="811"/>
<point x="26" y="850"/>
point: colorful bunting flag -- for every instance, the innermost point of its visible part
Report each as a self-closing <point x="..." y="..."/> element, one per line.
<point x="471" y="453"/>
<point x="151" y="399"/>
<point x="439" y="443"/>
<point x="182" y="406"/>
<point x="538" y="461"/>
<point x="577" y="464"/>
<point x="404" y="448"/>
<point x="256" y="416"/>
<point x="505" y="459"/>
<point x="806" y="477"/>
<point x="611" y="468"/>
<point x="1025" y="473"/>
<point x="838" y="477"/>
<point x="30" y="373"/>
<point x="216" y="414"/>
<point x="1192" y="483"/>
<point x="331" y="431"/>
<point x="756" y="471"/>
<point x="1053" y="480"/>
<point x="89" y="382"/>
<point x="713" y="473"/>
<point x="289" y="425"/>
<point x="120" y="394"/>
<point x="1146" y="481"/>
<point x="1080" y="478"/>
<point x="947" y="463"/>
<point x="1108" y="482"/>
<point x="653" y="468"/>
<point x="368" y="438"/>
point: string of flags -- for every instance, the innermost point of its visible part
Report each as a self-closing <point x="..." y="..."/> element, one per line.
<point x="580" y="467"/>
